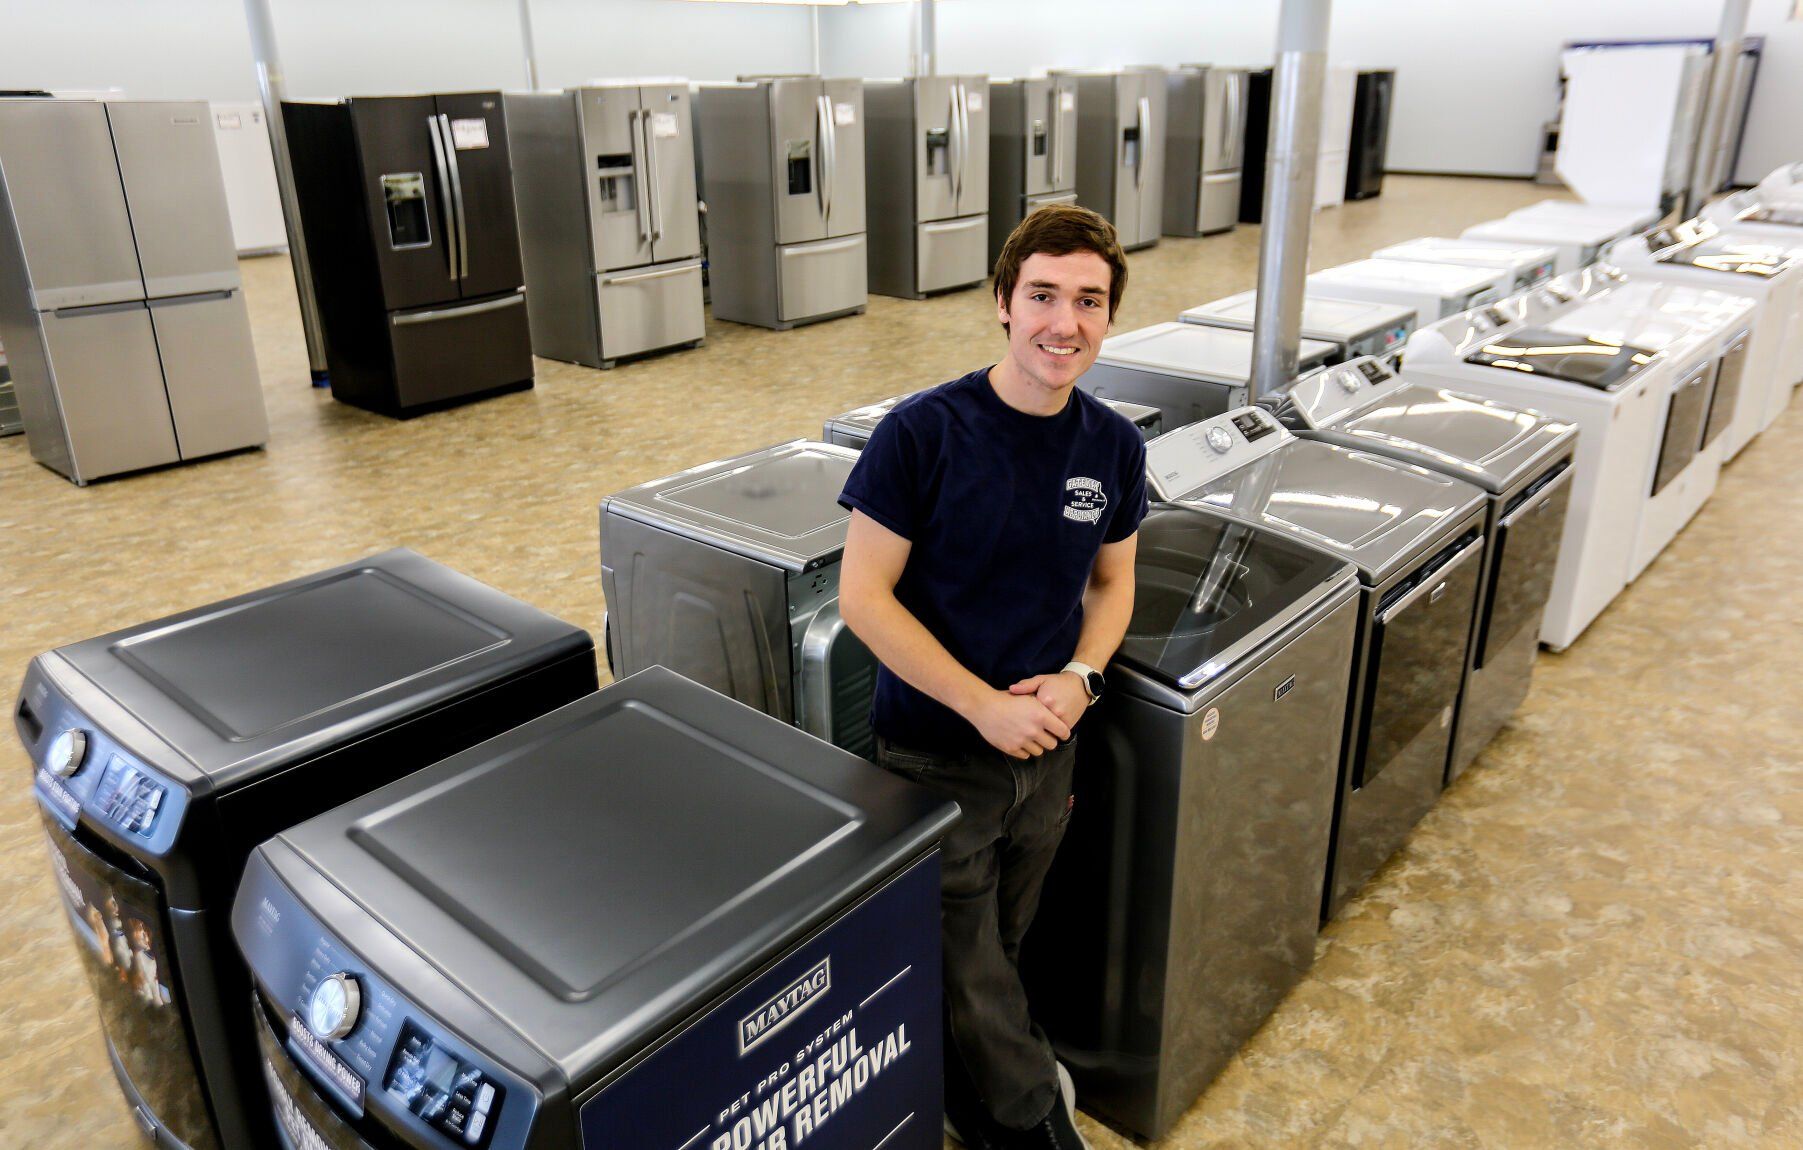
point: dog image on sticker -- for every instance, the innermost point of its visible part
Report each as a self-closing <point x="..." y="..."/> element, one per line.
<point x="1211" y="722"/>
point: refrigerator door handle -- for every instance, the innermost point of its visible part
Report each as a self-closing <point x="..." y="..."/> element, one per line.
<point x="957" y="143"/>
<point x="1145" y="139"/>
<point x="513" y="299"/>
<point x="1056" y="120"/>
<point x="829" y="168"/>
<point x="683" y="268"/>
<point x="641" y="211"/>
<point x="444" y="192"/>
<point x="964" y="148"/>
<point x="821" y="131"/>
<point x="653" y="187"/>
<point x="463" y="229"/>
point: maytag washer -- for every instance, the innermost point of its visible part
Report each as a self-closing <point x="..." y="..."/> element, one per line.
<point x="1434" y="291"/>
<point x="1578" y="242"/>
<point x="653" y="917"/>
<point x="167" y="751"/>
<point x="729" y="573"/>
<point x="1184" y="902"/>
<point x="1621" y="219"/>
<point x="1417" y="539"/>
<point x="1523" y="265"/>
<point x="1521" y="458"/>
<point x="1185" y="370"/>
<point x="1354" y="327"/>
<point x="854" y="428"/>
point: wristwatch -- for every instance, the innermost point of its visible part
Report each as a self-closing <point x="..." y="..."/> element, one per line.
<point x="1093" y="682"/>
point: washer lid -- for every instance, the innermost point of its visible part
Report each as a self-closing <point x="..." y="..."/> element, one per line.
<point x="864" y="419"/>
<point x="1570" y="356"/>
<point x="1335" y="320"/>
<point x="1545" y="230"/>
<point x="1483" y="253"/>
<point x="1731" y="256"/>
<point x="1447" y="280"/>
<point x="1787" y="215"/>
<point x="1192" y="351"/>
<point x="1210" y="590"/>
<point x="780" y="505"/>
<point x="248" y="686"/>
<point x="595" y="876"/>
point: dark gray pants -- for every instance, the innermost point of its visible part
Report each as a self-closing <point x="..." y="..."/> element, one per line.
<point x="993" y="866"/>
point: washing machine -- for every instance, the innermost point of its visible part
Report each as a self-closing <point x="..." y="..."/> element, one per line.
<point x="651" y="918"/>
<point x="1706" y="335"/>
<point x="1621" y="219"/>
<point x="165" y="752"/>
<point x="1699" y="254"/>
<point x="1432" y="290"/>
<point x="1523" y="265"/>
<point x="1417" y="539"/>
<point x="854" y="428"/>
<point x="1520" y="458"/>
<point x="1772" y="214"/>
<point x="1613" y="392"/>
<point x="728" y="573"/>
<point x="1577" y="241"/>
<point x="1184" y="902"/>
<point x="1185" y="370"/>
<point x="1354" y="327"/>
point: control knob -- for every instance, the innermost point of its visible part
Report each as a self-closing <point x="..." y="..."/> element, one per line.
<point x="1349" y="382"/>
<point x="333" y="1007"/>
<point x="67" y="753"/>
<point x="1220" y="439"/>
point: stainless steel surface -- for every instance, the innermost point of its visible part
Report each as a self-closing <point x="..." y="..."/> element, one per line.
<point x="435" y="129"/>
<point x="1291" y="157"/>
<point x="207" y="356"/>
<point x="926" y="168"/>
<point x="1032" y="129"/>
<point x="645" y="310"/>
<point x="1187" y="371"/>
<point x="433" y="314"/>
<point x="169" y="164"/>
<point x="1537" y="501"/>
<point x="1119" y="169"/>
<point x="824" y="278"/>
<point x="111" y="412"/>
<point x="463" y="227"/>
<point x="1354" y="327"/>
<point x="1434" y="588"/>
<point x="1708" y="168"/>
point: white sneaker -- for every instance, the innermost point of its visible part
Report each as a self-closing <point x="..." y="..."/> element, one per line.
<point x="1068" y="1091"/>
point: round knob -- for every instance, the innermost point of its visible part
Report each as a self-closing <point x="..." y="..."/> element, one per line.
<point x="1219" y="439"/>
<point x="67" y="753"/>
<point x="1349" y="382"/>
<point x="333" y="1008"/>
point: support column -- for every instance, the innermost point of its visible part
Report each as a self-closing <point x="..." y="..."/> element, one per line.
<point x="529" y="45"/>
<point x="1706" y="173"/>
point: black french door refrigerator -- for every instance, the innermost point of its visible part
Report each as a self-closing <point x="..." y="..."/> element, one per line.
<point x="408" y="212"/>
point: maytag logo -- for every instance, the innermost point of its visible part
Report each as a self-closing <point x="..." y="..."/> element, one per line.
<point x="1283" y="688"/>
<point x="781" y="1010"/>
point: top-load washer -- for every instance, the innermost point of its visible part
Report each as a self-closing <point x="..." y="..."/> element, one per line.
<point x="1354" y="327"/>
<point x="1612" y="391"/>
<point x="1699" y="254"/>
<point x="1184" y="901"/>
<point x="1417" y="539"/>
<point x="1432" y="290"/>
<point x="1770" y="215"/>
<point x="165" y="752"/>
<point x="1185" y="370"/>
<point x="854" y="428"/>
<point x="1621" y="219"/>
<point x="1521" y="458"/>
<point x="1578" y="241"/>
<point x="729" y="573"/>
<point x="652" y="918"/>
<point x="1523" y="265"/>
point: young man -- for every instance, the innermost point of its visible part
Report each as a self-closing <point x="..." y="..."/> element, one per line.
<point x="989" y="566"/>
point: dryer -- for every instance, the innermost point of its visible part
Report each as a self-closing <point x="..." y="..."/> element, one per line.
<point x="1186" y="370"/>
<point x="1520" y="458"/>
<point x="1184" y="901"/>
<point x="1523" y="265"/>
<point x="728" y="573"/>
<point x="854" y="428"/>
<point x="1417" y="539"/>
<point x="165" y="752"/>
<point x="1431" y="290"/>
<point x="1354" y="327"/>
<point x="653" y="917"/>
<point x="1577" y="241"/>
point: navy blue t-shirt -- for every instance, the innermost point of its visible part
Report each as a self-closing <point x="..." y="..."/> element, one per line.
<point x="1006" y="512"/>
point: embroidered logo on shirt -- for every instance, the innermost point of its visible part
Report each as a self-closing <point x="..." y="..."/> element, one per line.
<point x="1084" y="499"/>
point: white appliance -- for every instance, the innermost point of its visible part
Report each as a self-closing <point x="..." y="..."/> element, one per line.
<point x="248" y="165"/>
<point x="1339" y="91"/>
<point x="1624" y="219"/>
<point x="1699" y="255"/>
<point x="1578" y="241"/>
<point x="1432" y="290"/>
<point x="1523" y="265"/>
<point x="1354" y="327"/>
<point x="1629" y="120"/>
<point x="1187" y="371"/>
<point x="1509" y="352"/>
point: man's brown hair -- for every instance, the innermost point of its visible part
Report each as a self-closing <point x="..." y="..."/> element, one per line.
<point x="1059" y="230"/>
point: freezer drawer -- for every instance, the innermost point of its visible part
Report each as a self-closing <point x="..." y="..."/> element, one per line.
<point x="446" y="353"/>
<point x="822" y="278"/>
<point x="115" y="414"/>
<point x="210" y="368"/>
<point x="646" y="310"/>
<point x="950" y="253"/>
<point x="1218" y="208"/>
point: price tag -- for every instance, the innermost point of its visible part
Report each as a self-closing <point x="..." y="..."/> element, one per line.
<point x="469" y="135"/>
<point x="229" y="120"/>
<point x="976" y="101"/>
<point x="1067" y="101"/>
<point x="663" y="125"/>
<point x="844" y="114"/>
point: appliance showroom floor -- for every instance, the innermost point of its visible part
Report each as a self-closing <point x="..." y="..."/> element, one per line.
<point x="1596" y="939"/>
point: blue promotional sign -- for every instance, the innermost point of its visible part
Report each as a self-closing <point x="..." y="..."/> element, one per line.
<point x="836" y="1047"/>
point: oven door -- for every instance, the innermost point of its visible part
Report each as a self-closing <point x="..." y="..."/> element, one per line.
<point x="121" y="928"/>
<point x="1684" y="418"/>
<point x="304" y="1120"/>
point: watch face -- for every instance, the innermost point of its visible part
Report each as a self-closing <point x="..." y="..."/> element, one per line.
<point x="1095" y="683"/>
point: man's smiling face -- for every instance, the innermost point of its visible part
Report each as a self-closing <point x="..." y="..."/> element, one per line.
<point x="1057" y="317"/>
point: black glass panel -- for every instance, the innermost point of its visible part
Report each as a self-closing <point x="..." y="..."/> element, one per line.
<point x="1564" y="355"/>
<point x="1683" y="431"/>
<point x="1725" y="400"/>
<point x="1526" y="551"/>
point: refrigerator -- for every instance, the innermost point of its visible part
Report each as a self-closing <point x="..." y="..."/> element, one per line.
<point x="610" y="234"/>
<point x="1370" y="133"/>
<point x="1338" y="88"/>
<point x="248" y="163"/>
<point x="1032" y="151"/>
<point x="1120" y="150"/>
<point x="783" y="160"/>
<point x="926" y="172"/>
<point x="407" y="207"/>
<point x="121" y="309"/>
<point x="1205" y="129"/>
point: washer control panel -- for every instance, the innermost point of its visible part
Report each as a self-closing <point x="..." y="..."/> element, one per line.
<point x="1327" y="397"/>
<point x="1180" y="461"/>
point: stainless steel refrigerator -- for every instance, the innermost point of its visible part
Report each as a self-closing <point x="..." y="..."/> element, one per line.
<point x="1205" y="136"/>
<point x="1120" y="150"/>
<point x="610" y="237"/>
<point x="120" y="304"/>
<point x="926" y="170"/>
<point x="783" y="161"/>
<point x="1032" y="151"/>
<point x="407" y="206"/>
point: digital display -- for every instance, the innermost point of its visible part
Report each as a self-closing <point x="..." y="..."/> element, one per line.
<point x="128" y="797"/>
<point x="448" y="1094"/>
<point x="1374" y="371"/>
<point x="1497" y="315"/>
<point x="1251" y="426"/>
